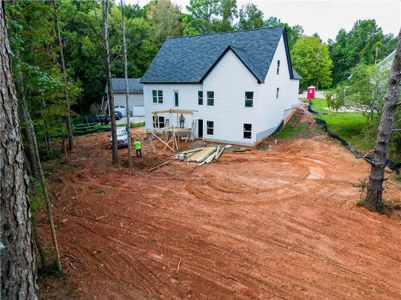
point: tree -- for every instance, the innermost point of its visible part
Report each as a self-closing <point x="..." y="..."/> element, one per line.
<point x="294" y="33"/>
<point x="17" y="256"/>
<point x="250" y="17"/>
<point x="126" y="84"/>
<point x="201" y="16"/>
<point x="165" y="20"/>
<point x="312" y="60"/>
<point x="364" y="43"/>
<point x="374" y="195"/>
<point x="63" y="70"/>
<point x="105" y="12"/>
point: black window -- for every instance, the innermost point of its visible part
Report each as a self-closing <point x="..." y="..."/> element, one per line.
<point x="248" y="99"/>
<point x="160" y="96"/>
<point x="157" y="96"/>
<point x="247" y="131"/>
<point x="277" y="93"/>
<point x="278" y="67"/>
<point x="210" y="127"/>
<point x="210" y="98"/>
<point x="200" y="97"/>
<point x="158" y="122"/>
<point x="176" y="99"/>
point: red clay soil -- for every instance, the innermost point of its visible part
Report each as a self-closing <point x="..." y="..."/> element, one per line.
<point x="262" y="224"/>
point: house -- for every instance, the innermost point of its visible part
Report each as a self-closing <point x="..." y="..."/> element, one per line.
<point x="387" y="61"/>
<point x="135" y="100"/>
<point x="239" y="86"/>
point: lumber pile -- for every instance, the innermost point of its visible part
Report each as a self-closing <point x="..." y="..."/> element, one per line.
<point x="201" y="155"/>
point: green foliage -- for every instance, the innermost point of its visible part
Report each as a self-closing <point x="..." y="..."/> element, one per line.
<point x="365" y="43"/>
<point x="250" y="17"/>
<point x="294" y="33"/>
<point x="312" y="61"/>
<point x="351" y="126"/>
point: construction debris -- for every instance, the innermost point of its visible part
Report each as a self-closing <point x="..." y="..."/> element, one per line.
<point x="201" y="155"/>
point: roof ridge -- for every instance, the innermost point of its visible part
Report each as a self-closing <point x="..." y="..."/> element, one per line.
<point x="222" y="33"/>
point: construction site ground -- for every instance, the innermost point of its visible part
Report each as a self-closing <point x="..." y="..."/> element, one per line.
<point x="278" y="223"/>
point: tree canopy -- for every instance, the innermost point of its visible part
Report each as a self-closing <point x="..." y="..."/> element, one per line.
<point x="312" y="60"/>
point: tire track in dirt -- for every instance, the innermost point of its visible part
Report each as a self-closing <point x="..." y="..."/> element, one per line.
<point x="278" y="224"/>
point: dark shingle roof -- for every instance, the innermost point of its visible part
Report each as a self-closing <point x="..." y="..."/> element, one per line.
<point x="190" y="59"/>
<point x="134" y="85"/>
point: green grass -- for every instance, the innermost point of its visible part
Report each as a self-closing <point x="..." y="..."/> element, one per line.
<point x="348" y="125"/>
<point x="289" y="131"/>
<point x="132" y="125"/>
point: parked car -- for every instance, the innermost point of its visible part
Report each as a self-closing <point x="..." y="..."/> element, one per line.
<point x="121" y="109"/>
<point x="104" y="119"/>
<point x="122" y="137"/>
<point x="118" y="115"/>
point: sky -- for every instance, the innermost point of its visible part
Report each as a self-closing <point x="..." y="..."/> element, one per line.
<point x="326" y="17"/>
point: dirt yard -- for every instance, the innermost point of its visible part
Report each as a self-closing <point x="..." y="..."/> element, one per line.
<point x="280" y="224"/>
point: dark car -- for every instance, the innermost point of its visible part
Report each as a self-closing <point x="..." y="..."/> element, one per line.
<point x="118" y="115"/>
<point x="104" y="119"/>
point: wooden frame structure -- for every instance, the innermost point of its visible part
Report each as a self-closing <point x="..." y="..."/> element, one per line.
<point x="170" y="135"/>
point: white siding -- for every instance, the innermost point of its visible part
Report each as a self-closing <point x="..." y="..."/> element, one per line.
<point x="229" y="81"/>
<point x="135" y="102"/>
<point x="272" y="111"/>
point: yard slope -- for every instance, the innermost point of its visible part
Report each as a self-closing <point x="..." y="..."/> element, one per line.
<point x="264" y="224"/>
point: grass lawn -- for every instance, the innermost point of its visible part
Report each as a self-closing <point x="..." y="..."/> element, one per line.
<point x="289" y="131"/>
<point x="348" y="125"/>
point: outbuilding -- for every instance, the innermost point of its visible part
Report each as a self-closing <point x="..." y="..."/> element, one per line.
<point x="135" y="100"/>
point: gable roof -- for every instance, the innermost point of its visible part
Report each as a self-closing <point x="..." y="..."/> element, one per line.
<point x="190" y="59"/>
<point x="134" y="86"/>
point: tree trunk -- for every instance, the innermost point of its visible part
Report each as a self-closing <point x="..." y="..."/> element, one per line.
<point x="126" y="84"/>
<point x="374" y="195"/>
<point x="17" y="257"/>
<point x="30" y="136"/>
<point x="48" y="140"/>
<point x="67" y="98"/>
<point x="105" y="11"/>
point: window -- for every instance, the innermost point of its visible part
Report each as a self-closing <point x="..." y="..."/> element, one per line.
<point x="278" y="67"/>
<point x="210" y="98"/>
<point x="247" y="131"/>
<point x="158" y="122"/>
<point x="157" y="96"/>
<point x="210" y="127"/>
<point x="248" y="99"/>
<point x="277" y="93"/>
<point x="200" y="97"/>
<point x="176" y="98"/>
<point x="160" y="96"/>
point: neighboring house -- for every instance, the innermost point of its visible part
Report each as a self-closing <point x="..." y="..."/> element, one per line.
<point x="240" y="85"/>
<point x="135" y="102"/>
<point x="387" y="61"/>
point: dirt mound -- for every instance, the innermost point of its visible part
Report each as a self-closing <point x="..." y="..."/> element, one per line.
<point x="261" y="224"/>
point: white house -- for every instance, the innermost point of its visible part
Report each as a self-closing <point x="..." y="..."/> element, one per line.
<point x="240" y="85"/>
<point x="135" y="100"/>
